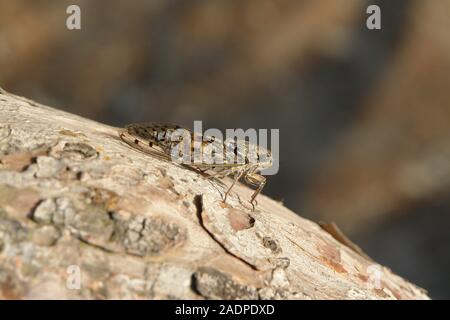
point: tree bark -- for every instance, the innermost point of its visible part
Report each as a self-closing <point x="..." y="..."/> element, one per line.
<point x="77" y="203"/>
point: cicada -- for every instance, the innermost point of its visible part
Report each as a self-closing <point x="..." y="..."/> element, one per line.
<point x="240" y="158"/>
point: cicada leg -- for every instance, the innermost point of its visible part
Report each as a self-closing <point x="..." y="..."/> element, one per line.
<point x="256" y="180"/>
<point x="238" y="175"/>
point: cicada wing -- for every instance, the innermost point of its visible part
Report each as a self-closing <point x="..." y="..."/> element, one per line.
<point x="144" y="146"/>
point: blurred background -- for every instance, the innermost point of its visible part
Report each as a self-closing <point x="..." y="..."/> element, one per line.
<point x="363" y="114"/>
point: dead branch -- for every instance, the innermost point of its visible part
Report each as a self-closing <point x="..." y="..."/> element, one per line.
<point x="75" y="198"/>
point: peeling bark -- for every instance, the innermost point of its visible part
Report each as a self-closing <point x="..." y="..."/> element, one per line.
<point x="137" y="227"/>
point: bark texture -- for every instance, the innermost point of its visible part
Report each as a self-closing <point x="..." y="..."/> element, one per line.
<point x="74" y="197"/>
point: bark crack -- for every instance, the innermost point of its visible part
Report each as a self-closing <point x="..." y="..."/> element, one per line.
<point x="198" y="202"/>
